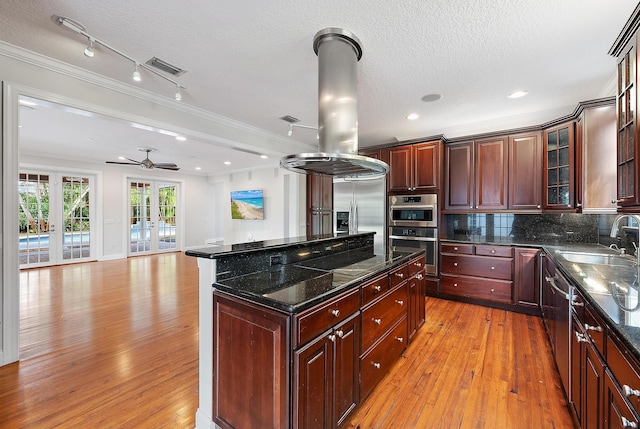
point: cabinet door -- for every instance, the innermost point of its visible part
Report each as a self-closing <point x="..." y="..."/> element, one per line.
<point x="559" y="168"/>
<point x="459" y="178"/>
<point x="527" y="290"/>
<point x="617" y="413"/>
<point x="400" y="174"/>
<point x="313" y="384"/>
<point x="592" y="389"/>
<point x="576" y="356"/>
<point x="426" y="166"/>
<point x="627" y="140"/>
<point x="525" y="157"/>
<point x="412" y="319"/>
<point x="346" y="386"/>
<point x="491" y="174"/>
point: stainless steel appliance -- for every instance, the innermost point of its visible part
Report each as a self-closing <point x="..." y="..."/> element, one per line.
<point x="413" y="224"/>
<point x="414" y="210"/>
<point x="359" y="206"/>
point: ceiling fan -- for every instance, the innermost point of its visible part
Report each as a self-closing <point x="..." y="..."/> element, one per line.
<point x="146" y="163"/>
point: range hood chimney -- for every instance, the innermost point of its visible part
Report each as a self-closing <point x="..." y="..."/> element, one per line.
<point x="338" y="53"/>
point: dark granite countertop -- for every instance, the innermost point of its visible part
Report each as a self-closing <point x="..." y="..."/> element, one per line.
<point x="613" y="290"/>
<point x="218" y="251"/>
<point x="296" y="287"/>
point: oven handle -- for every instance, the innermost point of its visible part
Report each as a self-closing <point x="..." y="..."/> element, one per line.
<point x="412" y="207"/>
<point x="402" y="237"/>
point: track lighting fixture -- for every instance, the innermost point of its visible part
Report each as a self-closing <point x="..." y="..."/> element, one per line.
<point x="89" y="51"/>
<point x="136" y="74"/>
<point x="290" y="132"/>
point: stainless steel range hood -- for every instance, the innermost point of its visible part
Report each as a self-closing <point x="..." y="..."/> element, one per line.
<point x="338" y="53"/>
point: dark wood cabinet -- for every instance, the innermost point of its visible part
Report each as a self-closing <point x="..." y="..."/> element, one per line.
<point x="559" y="167"/>
<point x="319" y="204"/>
<point x="525" y="171"/>
<point x="417" y="284"/>
<point x="415" y="167"/>
<point x="617" y="413"/>
<point x="326" y="377"/>
<point x="491" y="174"/>
<point x="459" y="177"/>
<point x="249" y="336"/>
<point x="526" y="281"/>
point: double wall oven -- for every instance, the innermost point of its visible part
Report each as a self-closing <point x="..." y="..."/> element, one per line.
<point x="413" y="223"/>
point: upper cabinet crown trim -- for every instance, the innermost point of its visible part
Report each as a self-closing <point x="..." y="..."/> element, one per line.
<point x="629" y="29"/>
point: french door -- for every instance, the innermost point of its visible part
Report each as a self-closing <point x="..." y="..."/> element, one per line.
<point x="152" y="214"/>
<point x="55" y="212"/>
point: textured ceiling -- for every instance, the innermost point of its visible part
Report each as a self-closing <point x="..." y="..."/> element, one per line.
<point x="253" y="62"/>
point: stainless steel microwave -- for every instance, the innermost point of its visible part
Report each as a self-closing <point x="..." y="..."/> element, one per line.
<point x="413" y="210"/>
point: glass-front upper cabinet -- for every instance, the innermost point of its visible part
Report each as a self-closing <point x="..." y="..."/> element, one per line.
<point x="559" y="168"/>
<point x="626" y="128"/>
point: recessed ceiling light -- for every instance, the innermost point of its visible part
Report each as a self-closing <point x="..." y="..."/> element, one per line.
<point x="198" y="168"/>
<point x="518" y="94"/>
<point x="264" y="156"/>
<point x="181" y="138"/>
<point x="122" y="158"/>
<point x="413" y="116"/>
<point x="431" y="98"/>
<point x="227" y="163"/>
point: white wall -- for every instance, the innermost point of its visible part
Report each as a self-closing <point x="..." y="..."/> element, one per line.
<point x="284" y="193"/>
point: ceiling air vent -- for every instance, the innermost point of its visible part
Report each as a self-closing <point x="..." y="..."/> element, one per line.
<point x="165" y="66"/>
<point x="290" y="119"/>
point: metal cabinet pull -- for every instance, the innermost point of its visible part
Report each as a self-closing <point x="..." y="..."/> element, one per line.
<point x="627" y="423"/>
<point x="377" y="321"/>
<point x="399" y="301"/>
<point x="376" y="365"/>
<point x="588" y="327"/>
<point x="493" y="268"/>
<point x="628" y="391"/>
<point x="400" y="275"/>
<point x="335" y="312"/>
<point x="399" y="339"/>
<point x="339" y="333"/>
<point x="332" y="338"/>
<point x="581" y="338"/>
<point x="455" y="264"/>
<point x="377" y="288"/>
<point x="418" y="264"/>
<point x="419" y="276"/>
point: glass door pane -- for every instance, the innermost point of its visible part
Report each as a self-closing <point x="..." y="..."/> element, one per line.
<point x="77" y="220"/>
<point x="167" y="194"/>
<point x="33" y="215"/>
<point x="140" y="216"/>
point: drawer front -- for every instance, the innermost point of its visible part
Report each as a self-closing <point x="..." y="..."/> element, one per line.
<point x="501" y="251"/>
<point x="595" y="328"/>
<point x="478" y="266"/>
<point x="463" y="249"/>
<point x="491" y="290"/>
<point x="374" y="289"/>
<point x="416" y="265"/>
<point x="624" y="371"/>
<point x="379" y="317"/>
<point x="376" y="363"/>
<point x="398" y="275"/>
<point x="313" y="322"/>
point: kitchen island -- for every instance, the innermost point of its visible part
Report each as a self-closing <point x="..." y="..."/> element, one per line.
<point x="294" y="332"/>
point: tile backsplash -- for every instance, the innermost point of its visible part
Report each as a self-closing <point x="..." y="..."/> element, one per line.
<point x="546" y="228"/>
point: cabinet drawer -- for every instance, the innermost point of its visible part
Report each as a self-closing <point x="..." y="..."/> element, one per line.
<point x="478" y="266"/>
<point x="379" y="317"/>
<point x="398" y="275"/>
<point x="316" y="320"/>
<point x="595" y="328"/>
<point x="624" y="368"/>
<point x="464" y="249"/>
<point x="376" y="363"/>
<point x="487" y="250"/>
<point x="416" y="265"/>
<point x="374" y="289"/>
<point x="492" y="290"/>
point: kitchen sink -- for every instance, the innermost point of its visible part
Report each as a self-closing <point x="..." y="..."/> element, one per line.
<point x="597" y="258"/>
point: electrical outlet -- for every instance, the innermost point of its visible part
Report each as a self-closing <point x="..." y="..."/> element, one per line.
<point x="275" y="260"/>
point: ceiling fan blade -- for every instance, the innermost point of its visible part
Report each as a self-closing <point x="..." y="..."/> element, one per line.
<point x="124" y="163"/>
<point x="133" y="160"/>
<point x="166" y="166"/>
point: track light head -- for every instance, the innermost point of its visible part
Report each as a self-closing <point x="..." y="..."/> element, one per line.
<point x="88" y="51"/>
<point x="136" y="74"/>
<point x="290" y="132"/>
<point x="178" y="94"/>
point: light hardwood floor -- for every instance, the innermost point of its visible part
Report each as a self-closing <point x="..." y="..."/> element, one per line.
<point x="115" y="345"/>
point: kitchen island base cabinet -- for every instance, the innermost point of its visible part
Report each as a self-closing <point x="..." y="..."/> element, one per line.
<point x="617" y="413"/>
<point x="250" y="365"/>
<point x="326" y="377"/>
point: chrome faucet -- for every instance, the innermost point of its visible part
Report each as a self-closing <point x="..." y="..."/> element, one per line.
<point x="615" y="228"/>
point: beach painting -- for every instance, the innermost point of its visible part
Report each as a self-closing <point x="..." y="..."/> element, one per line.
<point x="247" y="205"/>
